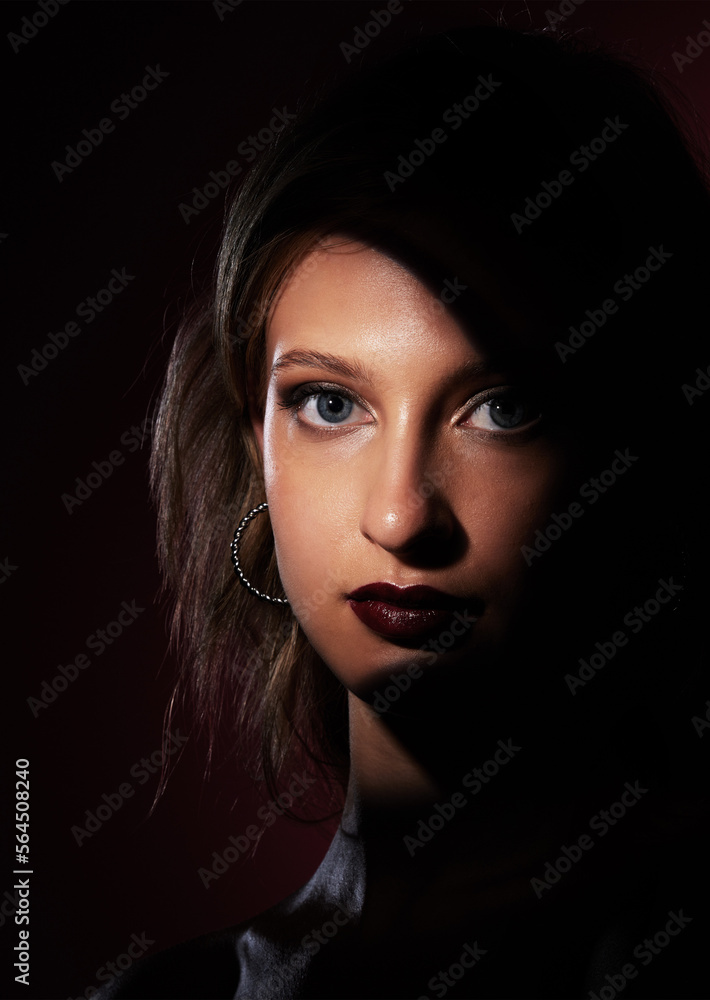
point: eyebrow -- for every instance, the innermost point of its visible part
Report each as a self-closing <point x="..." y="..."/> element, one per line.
<point x="329" y="362"/>
<point x="298" y="358"/>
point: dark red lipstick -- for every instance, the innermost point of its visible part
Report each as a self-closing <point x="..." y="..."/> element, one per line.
<point x="411" y="612"/>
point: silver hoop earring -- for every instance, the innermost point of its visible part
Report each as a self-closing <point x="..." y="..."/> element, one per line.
<point x="235" y="556"/>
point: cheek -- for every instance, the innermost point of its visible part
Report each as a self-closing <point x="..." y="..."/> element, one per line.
<point x="508" y="500"/>
<point x="313" y="521"/>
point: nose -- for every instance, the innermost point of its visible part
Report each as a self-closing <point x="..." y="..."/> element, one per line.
<point x="406" y="511"/>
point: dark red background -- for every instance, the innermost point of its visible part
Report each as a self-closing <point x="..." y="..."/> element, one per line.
<point x="119" y="208"/>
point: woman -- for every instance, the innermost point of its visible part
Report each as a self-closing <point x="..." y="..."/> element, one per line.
<point x="439" y="390"/>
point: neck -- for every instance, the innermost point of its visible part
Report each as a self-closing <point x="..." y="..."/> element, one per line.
<point x="382" y="769"/>
<point x="497" y="808"/>
<point x="408" y="816"/>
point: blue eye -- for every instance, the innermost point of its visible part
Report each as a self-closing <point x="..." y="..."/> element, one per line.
<point x="332" y="407"/>
<point x="329" y="407"/>
<point x="505" y="413"/>
<point x="324" y="406"/>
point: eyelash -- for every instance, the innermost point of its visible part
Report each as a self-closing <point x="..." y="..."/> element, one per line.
<point x="294" y="400"/>
<point x="303" y="392"/>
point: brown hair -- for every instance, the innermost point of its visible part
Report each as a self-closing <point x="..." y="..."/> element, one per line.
<point x="243" y="660"/>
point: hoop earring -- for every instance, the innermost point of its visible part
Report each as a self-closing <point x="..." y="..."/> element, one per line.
<point x="235" y="557"/>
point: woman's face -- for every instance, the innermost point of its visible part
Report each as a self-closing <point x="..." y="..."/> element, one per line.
<point x="393" y="455"/>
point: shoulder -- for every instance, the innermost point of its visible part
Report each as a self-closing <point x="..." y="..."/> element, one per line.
<point x="205" y="967"/>
<point x="274" y="946"/>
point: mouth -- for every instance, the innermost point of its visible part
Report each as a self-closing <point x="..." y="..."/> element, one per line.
<point x="412" y="612"/>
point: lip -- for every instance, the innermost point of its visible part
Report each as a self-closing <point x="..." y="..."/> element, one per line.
<point x="408" y="612"/>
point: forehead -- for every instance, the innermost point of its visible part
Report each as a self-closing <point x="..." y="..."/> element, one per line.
<point x="350" y="297"/>
<point x="338" y="269"/>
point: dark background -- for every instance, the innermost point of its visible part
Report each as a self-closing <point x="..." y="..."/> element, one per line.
<point x="71" y="571"/>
